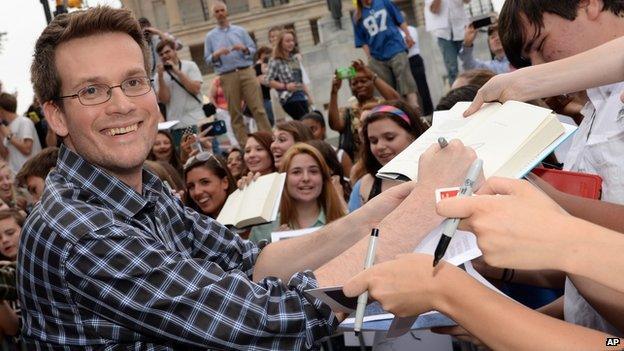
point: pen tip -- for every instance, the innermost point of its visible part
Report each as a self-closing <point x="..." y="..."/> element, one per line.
<point x="435" y="262"/>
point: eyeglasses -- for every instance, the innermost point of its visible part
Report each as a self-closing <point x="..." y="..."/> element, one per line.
<point x="96" y="94"/>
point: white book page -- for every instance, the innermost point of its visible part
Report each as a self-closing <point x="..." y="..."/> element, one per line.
<point x="463" y="247"/>
<point x="287" y="234"/>
<point x="497" y="141"/>
<point x="256" y="195"/>
<point x="229" y="212"/>
<point x="448" y="126"/>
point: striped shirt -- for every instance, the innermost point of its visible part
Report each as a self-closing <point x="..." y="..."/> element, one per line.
<point x="104" y="267"/>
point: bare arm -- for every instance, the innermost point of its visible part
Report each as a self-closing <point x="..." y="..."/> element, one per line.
<point x="409" y="286"/>
<point x="553" y="309"/>
<point x="435" y="6"/>
<point x="386" y="90"/>
<point x="164" y="95"/>
<point x="404" y="214"/>
<point x="333" y="115"/>
<point x="568" y="75"/>
<point x="602" y="213"/>
<point x="24" y="146"/>
<point x="366" y="50"/>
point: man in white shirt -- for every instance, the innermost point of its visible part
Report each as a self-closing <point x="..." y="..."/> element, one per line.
<point x="534" y="32"/>
<point x="18" y="133"/>
<point x="447" y="20"/>
<point x="179" y="88"/>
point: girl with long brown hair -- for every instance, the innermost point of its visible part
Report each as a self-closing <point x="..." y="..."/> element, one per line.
<point x="309" y="198"/>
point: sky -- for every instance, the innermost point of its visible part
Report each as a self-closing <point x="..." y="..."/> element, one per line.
<point x="23" y="23"/>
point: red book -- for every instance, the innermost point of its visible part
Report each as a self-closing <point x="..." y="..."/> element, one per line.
<point x="573" y="183"/>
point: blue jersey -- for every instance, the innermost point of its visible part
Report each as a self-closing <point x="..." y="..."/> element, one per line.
<point x="379" y="29"/>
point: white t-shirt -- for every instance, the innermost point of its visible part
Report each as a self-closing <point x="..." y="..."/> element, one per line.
<point x="182" y="106"/>
<point x="415" y="49"/>
<point x="597" y="147"/>
<point x="22" y="128"/>
<point x="450" y="23"/>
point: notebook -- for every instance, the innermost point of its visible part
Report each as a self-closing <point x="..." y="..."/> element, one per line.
<point x="510" y="138"/>
<point x="257" y="203"/>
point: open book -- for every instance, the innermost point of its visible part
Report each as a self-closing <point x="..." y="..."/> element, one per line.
<point x="510" y="138"/>
<point x="257" y="203"/>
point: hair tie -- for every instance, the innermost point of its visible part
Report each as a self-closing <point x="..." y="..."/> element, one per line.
<point x="392" y="110"/>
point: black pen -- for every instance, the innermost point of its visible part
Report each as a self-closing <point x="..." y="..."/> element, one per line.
<point x="451" y="224"/>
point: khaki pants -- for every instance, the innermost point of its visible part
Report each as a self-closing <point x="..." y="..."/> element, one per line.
<point x="240" y="86"/>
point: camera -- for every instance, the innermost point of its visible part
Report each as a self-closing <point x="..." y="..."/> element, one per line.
<point x="168" y="66"/>
<point x="481" y="21"/>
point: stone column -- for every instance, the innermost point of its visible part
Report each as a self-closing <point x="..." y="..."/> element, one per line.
<point x="173" y="12"/>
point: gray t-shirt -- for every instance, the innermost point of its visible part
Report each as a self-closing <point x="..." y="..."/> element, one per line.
<point x="182" y="106"/>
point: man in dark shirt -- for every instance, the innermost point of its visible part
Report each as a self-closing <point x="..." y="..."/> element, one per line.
<point x="110" y="259"/>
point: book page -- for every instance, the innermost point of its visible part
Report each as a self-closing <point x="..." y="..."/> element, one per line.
<point x="498" y="140"/>
<point x="229" y="212"/>
<point x="254" y="202"/>
<point x="288" y="234"/>
<point x="449" y="127"/>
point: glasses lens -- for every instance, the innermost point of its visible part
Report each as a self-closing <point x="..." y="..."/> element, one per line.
<point x="136" y="86"/>
<point x="93" y="94"/>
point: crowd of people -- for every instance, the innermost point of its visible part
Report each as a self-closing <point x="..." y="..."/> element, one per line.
<point x="108" y="230"/>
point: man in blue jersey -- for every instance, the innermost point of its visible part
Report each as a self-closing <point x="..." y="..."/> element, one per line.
<point x="376" y="25"/>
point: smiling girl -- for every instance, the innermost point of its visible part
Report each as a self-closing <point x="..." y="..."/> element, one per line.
<point x="309" y="198"/>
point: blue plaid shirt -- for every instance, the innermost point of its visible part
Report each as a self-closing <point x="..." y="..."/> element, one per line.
<point x="103" y="267"/>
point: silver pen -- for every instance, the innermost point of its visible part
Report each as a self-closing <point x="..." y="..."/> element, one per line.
<point x="363" y="298"/>
<point x="451" y="224"/>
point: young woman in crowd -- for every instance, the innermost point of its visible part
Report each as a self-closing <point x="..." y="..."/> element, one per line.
<point x="285" y="135"/>
<point x="285" y="75"/>
<point x="235" y="163"/>
<point x="346" y="121"/>
<point x="208" y="184"/>
<point x="258" y="157"/>
<point x="166" y="172"/>
<point x="8" y="192"/>
<point x="388" y="130"/>
<point x="315" y="121"/>
<point x="163" y="150"/>
<point x="11" y="221"/>
<point x="309" y="198"/>
<point x="340" y="181"/>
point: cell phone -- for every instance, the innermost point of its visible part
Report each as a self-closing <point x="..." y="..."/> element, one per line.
<point x="479" y="22"/>
<point x="345" y="72"/>
<point x="218" y="128"/>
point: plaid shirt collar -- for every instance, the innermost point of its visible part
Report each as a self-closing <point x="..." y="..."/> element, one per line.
<point x="113" y="193"/>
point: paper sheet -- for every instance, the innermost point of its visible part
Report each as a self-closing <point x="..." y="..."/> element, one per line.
<point x="167" y="125"/>
<point x="287" y="234"/>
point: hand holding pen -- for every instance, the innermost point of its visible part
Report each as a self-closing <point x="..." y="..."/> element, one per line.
<point x="451" y="224"/>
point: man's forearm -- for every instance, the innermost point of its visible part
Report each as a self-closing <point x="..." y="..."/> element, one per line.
<point x="285" y="258"/>
<point x="190" y="85"/>
<point x="390" y="243"/>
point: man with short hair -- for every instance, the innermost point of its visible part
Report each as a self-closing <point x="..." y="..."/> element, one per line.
<point x="179" y="87"/>
<point x="538" y="31"/>
<point x="111" y="259"/>
<point x="230" y="50"/>
<point x="19" y="136"/>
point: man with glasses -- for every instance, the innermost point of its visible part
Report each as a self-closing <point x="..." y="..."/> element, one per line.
<point x="110" y="259"/>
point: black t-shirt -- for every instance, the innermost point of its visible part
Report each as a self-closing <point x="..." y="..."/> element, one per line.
<point x="266" y="95"/>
